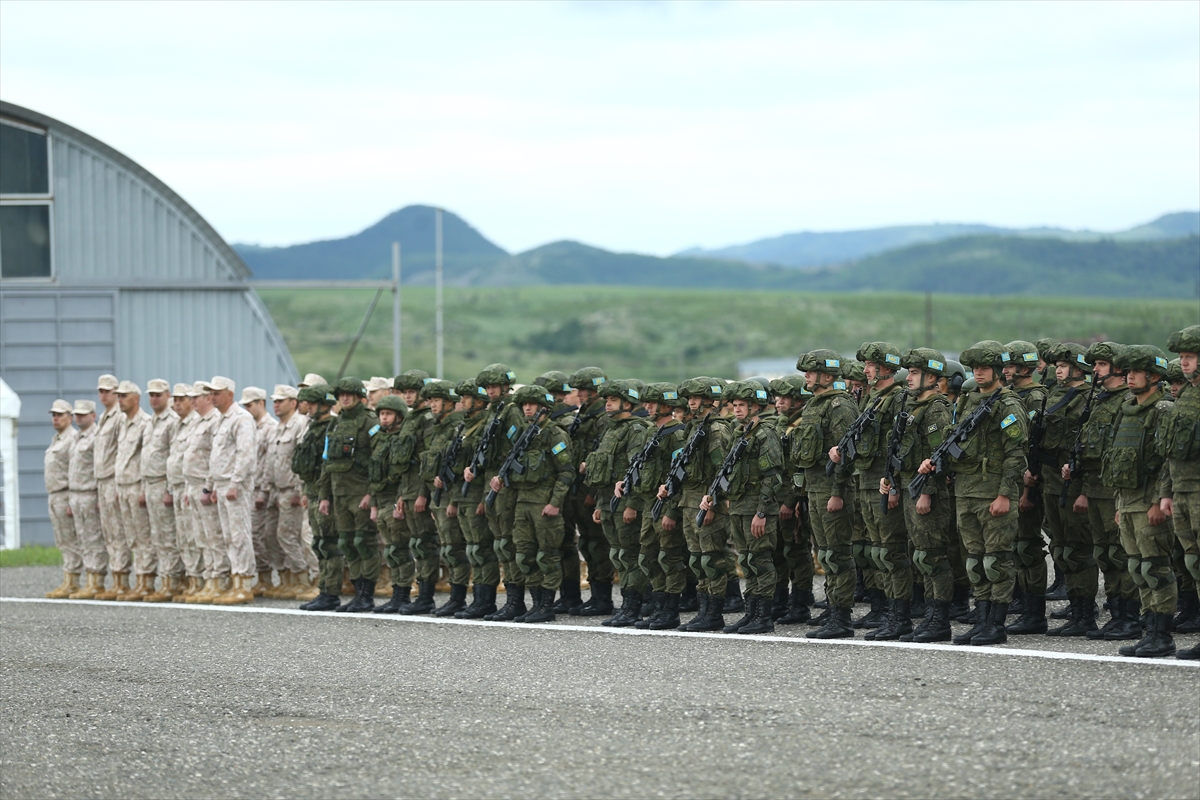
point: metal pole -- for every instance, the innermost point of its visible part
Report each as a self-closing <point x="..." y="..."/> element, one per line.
<point x="438" y="330"/>
<point x="395" y="308"/>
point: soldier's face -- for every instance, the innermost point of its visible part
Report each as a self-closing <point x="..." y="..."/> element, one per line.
<point x="60" y="420"/>
<point x="304" y="407"/>
<point x="585" y="396"/>
<point x="695" y="403"/>
<point x="182" y="406"/>
<point x="529" y="409"/>
<point x="410" y="396"/>
<point x="1010" y="372"/>
<point x="158" y="401"/>
<point x="651" y="409"/>
<point x="439" y="405"/>
<point x="107" y="397"/>
<point x="204" y="403"/>
<point x="984" y="376"/>
<point x="128" y="402"/>
<point x="741" y="409"/>
<point x="1062" y="371"/>
<point x="1138" y="380"/>
<point x="612" y="404"/>
<point x="347" y="400"/>
<point x="1187" y="362"/>
<point x="387" y="417"/>
<point x="374" y="396"/>
<point x="913" y="381"/>
<point x="1176" y="388"/>
<point x="85" y="421"/>
<point x="812" y="379"/>
<point x="284" y="407"/>
<point x="871" y="370"/>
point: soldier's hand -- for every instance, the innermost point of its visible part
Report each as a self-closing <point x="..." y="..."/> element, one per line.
<point x="304" y="502"/>
<point x="437" y="483"/>
<point x="835" y="455"/>
<point x="1080" y="506"/>
<point x="324" y="508"/>
<point x="1166" y="504"/>
<point x="1066" y="472"/>
<point x="481" y="510"/>
<point x="496" y="483"/>
<point x="398" y="509"/>
<point x="709" y="517"/>
<point x="582" y="467"/>
<point x="834" y="505"/>
<point x="297" y="500"/>
<point x="662" y="492"/>
<point x="1117" y="518"/>
<point x="927" y="467"/>
<point x="365" y="503"/>
<point x="924" y="504"/>
<point x="893" y="500"/>
<point x="1025" y="504"/>
<point x="451" y="512"/>
<point x="669" y="524"/>
<point x="596" y="516"/>
<point x="706" y="503"/>
<point x="885" y="486"/>
<point x="1000" y="506"/>
<point x="168" y="500"/>
<point x="629" y="516"/>
<point x="1155" y="515"/>
<point x="142" y="500"/>
<point x="70" y="513"/>
<point x="589" y="501"/>
<point x="550" y="511"/>
<point x="758" y="527"/>
<point x="1029" y="479"/>
<point x="422" y="503"/>
<point x="619" y="490"/>
<point x="785" y="512"/>
<point x="374" y="514"/>
<point x="468" y="474"/>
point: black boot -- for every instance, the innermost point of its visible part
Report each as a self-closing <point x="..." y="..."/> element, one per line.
<point x="1058" y="588"/>
<point x="922" y="625"/>
<point x="779" y="601"/>
<point x="993" y="630"/>
<point x="668" y="617"/>
<point x="600" y="604"/>
<point x="1017" y="606"/>
<point x="514" y="604"/>
<point x="344" y="607"/>
<point x="1147" y="624"/>
<point x="544" y="611"/>
<point x="960" y="601"/>
<point x="569" y="598"/>
<point x="983" y="608"/>
<point x="875" y="617"/>
<point x="860" y="586"/>
<point x="820" y="620"/>
<point x="1188" y="618"/>
<point x="1190" y="654"/>
<point x="656" y="605"/>
<point x="918" y="604"/>
<point x="751" y="610"/>
<point x="631" y="611"/>
<point x="889" y="611"/>
<point x="763" y="621"/>
<point x="1116" y="609"/>
<point x="1072" y="615"/>
<point x="322" y="602"/>
<point x="899" y="624"/>
<point x="837" y="626"/>
<point x="1034" y="618"/>
<point x="1161" y="643"/>
<point x="397" y="603"/>
<point x="485" y="603"/>
<point x="938" y="628"/>
<point x="703" y="601"/>
<point x="424" y="603"/>
<point x="689" y="601"/>
<point x="1083" y="622"/>
<point x="364" y="601"/>
<point x="734" y="602"/>
<point x="712" y="618"/>
<point x="456" y="603"/>
<point x="797" y="610"/>
<point x="535" y="600"/>
<point x="1130" y="624"/>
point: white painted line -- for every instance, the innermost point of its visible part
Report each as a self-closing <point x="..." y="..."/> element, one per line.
<point x="796" y="640"/>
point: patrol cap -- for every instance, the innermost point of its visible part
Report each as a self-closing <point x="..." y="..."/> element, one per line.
<point x="107" y="382"/>
<point x="220" y="383"/>
<point x="128" y="387"/>
<point x="198" y="388"/>
<point x="284" y="392"/>
<point x="1075" y="354"/>
<point x="827" y="361"/>
<point x="1144" y="357"/>
<point x="377" y="383"/>
<point x="588" y="378"/>
<point x="60" y="407"/>
<point x="181" y="390"/>
<point x="532" y="393"/>
<point x="1021" y="353"/>
<point x="393" y="402"/>
<point x="350" y="385"/>
<point x="411" y="379"/>
<point x="157" y="386"/>
<point x="1104" y="351"/>
<point x="983" y="354"/>
<point x="883" y="353"/>
<point x="1185" y="341"/>
<point x="85" y="407"/>
<point x="312" y="379"/>
<point x="442" y="389"/>
<point x="927" y="360"/>
<point x="554" y="380"/>
<point x="252" y="393"/>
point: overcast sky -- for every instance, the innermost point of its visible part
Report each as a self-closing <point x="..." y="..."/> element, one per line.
<point x="645" y="127"/>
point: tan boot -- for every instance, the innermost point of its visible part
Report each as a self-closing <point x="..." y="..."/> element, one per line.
<point x="70" y="584"/>
<point x="93" y="587"/>
<point x="304" y="589"/>
<point x="170" y="586"/>
<point x="383" y="586"/>
<point x="143" y="589"/>
<point x="443" y="581"/>
<point x="239" y="593"/>
<point x="120" y="585"/>
<point x="264" y="584"/>
<point x="347" y="587"/>
<point x="212" y="588"/>
<point x="187" y="589"/>
<point x="280" y="590"/>
<point x="583" y="576"/>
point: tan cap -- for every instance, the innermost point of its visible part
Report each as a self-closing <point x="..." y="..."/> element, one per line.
<point x="60" y="407"/>
<point x="312" y="379"/>
<point x="284" y="392"/>
<point x="128" y="387"/>
<point x="108" y="382"/>
<point x="182" y="390"/>
<point x="252" y="393"/>
<point x="377" y="383"/>
<point x="198" y="388"/>
<point x="220" y="383"/>
<point x="85" y="407"/>
<point x="158" y="385"/>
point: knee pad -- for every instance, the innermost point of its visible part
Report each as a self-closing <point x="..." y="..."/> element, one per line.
<point x="1076" y="560"/>
<point x="361" y="549"/>
<point x="920" y="562"/>
<point x="1100" y="558"/>
<point x="1191" y="563"/>
<point x="859" y="552"/>
<point x="694" y="563"/>
<point x="748" y="566"/>
<point x="345" y="541"/>
<point x="1028" y="553"/>
<point x="710" y="564"/>
<point x="542" y="559"/>
<point x="391" y="554"/>
<point x="1056" y="555"/>
<point x="840" y="559"/>
<point x="472" y="551"/>
<point x="1157" y="572"/>
<point x="975" y="568"/>
<point x="500" y="546"/>
<point x="997" y="566"/>
<point x="1134" y="565"/>
<point x="522" y="564"/>
<point x="614" y="555"/>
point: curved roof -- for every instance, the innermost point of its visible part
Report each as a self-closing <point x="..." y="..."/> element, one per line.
<point x="30" y="117"/>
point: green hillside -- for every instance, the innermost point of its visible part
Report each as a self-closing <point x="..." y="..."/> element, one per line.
<point x="663" y="334"/>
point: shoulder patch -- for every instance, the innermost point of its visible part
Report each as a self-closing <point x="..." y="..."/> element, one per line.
<point x="511" y="430"/>
<point x="373" y="431"/>
<point x="1009" y="420"/>
<point x="931" y="428"/>
<point x="675" y="455"/>
<point x="558" y="448"/>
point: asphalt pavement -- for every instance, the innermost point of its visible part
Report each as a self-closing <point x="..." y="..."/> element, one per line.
<point x="136" y="700"/>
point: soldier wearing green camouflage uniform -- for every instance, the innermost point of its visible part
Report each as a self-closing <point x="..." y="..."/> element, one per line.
<point x="987" y="486"/>
<point x="345" y="490"/>
<point x="385" y="490"/>
<point x="1132" y="465"/>
<point x="1029" y="552"/>
<point x="1188" y="619"/>
<point x="1181" y="446"/>
<point x="470" y="510"/>
<point x="308" y="463"/>
<point x="447" y="423"/>
<point x="585" y="431"/>
<point x="793" y="547"/>
<point x="407" y="448"/>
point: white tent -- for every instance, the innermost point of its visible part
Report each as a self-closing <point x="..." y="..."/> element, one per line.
<point x="10" y="495"/>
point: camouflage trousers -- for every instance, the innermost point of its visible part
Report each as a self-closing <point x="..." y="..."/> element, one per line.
<point x="833" y="532"/>
<point x="793" y="554"/>
<point x="186" y="541"/>
<point x="264" y="533"/>
<point x="422" y="542"/>
<point x="860" y="544"/>
<point x="85" y="508"/>
<point x="1029" y="552"/>
<point x="988" y="541"/>
<point x="663" y="554"/>
<point x="235" y="526"/>
<point x="755" y="555"/>
<point x="1148" y="548"/>
<point x="452" y="546"/>
<point x="164" y="533"/>
<point x="330" y="561"/>
<point x="888" y="551"/>
<point x="135" y="523"/>
<point x="1107" y="549"/>
<point x="593" y="544"/>
<point x="1185" y="521"/>
<point x="206" y="522"/>
<point x="397" y="553"/>
<point x="357" y="535"/>
<point x="500" y="517"/>
<point x="1071" y="545"/>
<point x="624" y="547"/>
<point x="65" y="537"/>
<point x="477" y="534"/>
<point x="930" y="536"/>
<point x="537" y="540"/>
<point x="708" y="555"/>
<point x="289" y="532"/>
<point x="120" y="556"/>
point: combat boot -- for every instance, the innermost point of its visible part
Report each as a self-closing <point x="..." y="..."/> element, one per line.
<point x="713" y="619"/>
<point x="1160" y="643"/>
<point x="1082" y="621"/>
<point x="960" y="601"/>
<point x="1130" y="624"/>
<point x="119" y="585"/>
<point x="187" y="586"/>
<point x="143" y="587"/>
<point x="1145" y="624"/>
<point x="303" y="588"/>
<point x="481" y="605"/>
<point x="345" y="607"/>
<point x="860" y="586"/>
<point x="239" y="592"/>
<point x="1190" y="654"/>
<point x="689" y="601"/>
<point x="983" y="610"/>
<point x="656" y="601"/>
<point x="1072" y="615"/>
<point x="898" y="624"/>
<point x="752" y="602"/>
<point x="544" y="612"/>
<point x="1017" y="606"/>
<point x="170" y="587"/>
<point x="837" y="625"/>
<point x="702" y="602"/>
<point x="668" y="615"/>
<point x="600" y="604"/>
<point x="1057" y="590"/>
<point x="322" y="602"/>
<point x="762" y="621"/>
<point x="274" y="591"/>
<point x="1116" y="608"/>
<point x="873" y="618"/>
<point x="797" y="610"/>
<point x="819" y="620"/>
<point x="93" y="587"/>
<point x="514" y="604"/>
<point x="1188" y="618"/>
<point x="570" y="598"/>
<point x="889" y="611"/>
<point x="205" y="594"/>
<point x="993" y="629"/>
<point x="535" y="599"/>
<point x="263" y="584"/>
<point x="920" y="627"/>
<point x="383" y="586"/>
<point x="69" y="584"/>
<point x="348" y="586"/>
<point x="456" y="603"/>
<point x="364" y="598"/>
<point x="631" y="611"/>
<point x="918" y="606"/>
<point x="1034" y="618"/>
<point x="734" y="602"/>
<point x="396" y="603"/>
<point x="938" y="627"/>
<point x="779" y="601"/>
<point x="424" y="603"/>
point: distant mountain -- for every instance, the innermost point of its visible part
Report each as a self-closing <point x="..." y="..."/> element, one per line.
<point x="812" y="250"/>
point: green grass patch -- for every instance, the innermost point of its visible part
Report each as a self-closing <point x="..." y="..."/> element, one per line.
<point x="31" y="555"/>
<point x="671" y="334"/>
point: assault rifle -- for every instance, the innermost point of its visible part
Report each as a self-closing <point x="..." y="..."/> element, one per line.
<point x="678" y="473"/>
<point x="1077" y="446"/>
<point x="446" y="471"/>
<point x="1034" y="455"/>
<point x="952" y="446"/>
<point x="479" y="459"/>
<point x="633" y="474"/>
<point x="513" y="463"/>
<point x="720" y="484"/>
<point x="848" y="444"/>
<point x="892" y="461"/>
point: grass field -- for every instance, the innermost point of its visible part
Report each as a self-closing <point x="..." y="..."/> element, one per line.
<point x="664" y="334"/>
<point x="31" y="555"/>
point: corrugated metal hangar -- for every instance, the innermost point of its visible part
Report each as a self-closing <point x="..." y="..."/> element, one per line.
<point x="104" y="269"/>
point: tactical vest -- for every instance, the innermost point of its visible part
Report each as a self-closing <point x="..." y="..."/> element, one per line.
<point x="307" y="455"/>
<point x="808" y="439"/>
<point x="1098" y="432"/>
<point x="1132" y="459"/>
<point x="348" y="442"/>
<point x="1062" y="418"/>
<point x="538" y="460"/>
<point x="702" y="470"/>
<point x="873" y="442"/>
<point x="607" y="464"/>
<point x="915" y="435"/>
<point x="1179" y="433"/>
<point x="984" y="449"/>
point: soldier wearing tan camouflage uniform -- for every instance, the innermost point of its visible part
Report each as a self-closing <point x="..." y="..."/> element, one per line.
<point x="200" y="498"/>
<point x="264" y="516"/>
<point x="157" y="436"/>
<point x="85" y="507"/>
<point x="287" y="494"/>
<point x="56" y="470"/>
<point x="135" y="519"/>
<point x="108" y="428"/>
<point x="231" y="473"/>
<point x="188" y="530"/>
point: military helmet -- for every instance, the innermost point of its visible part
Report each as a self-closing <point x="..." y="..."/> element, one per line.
<point x="853" y="371"/>
<point x="761" y="381"/>
<point x="1043" y="347"/>
<point x="1175" y="371"/>
<point x="350" y="385"/>
<point x="790" y="386"/>
<point x="554" y="380"/>
<point x="412" y="379"/>
<point x="467" y="388"/>
<point x="629" y="390"/>
<point x="780" y="387"/>
<point x="309" y="394"/>
<point x="496" y="375"/>
<point x="1104" y="351"/>
<point x="969" y="385"/>
<point x="750" y="391"/>
<point x="442" y="389"/>
<point x="925" y="359"/>
<point x="983" y="354"/>
<point x="326" y="395"/>
<point x="664" y="393"/>
<point x="1185" y="341"/>
<point x="703" y="386"/>
<point x="588" y="378"/>
<point x="391" y="402"/>
<point x="827" y="361"/>
<point x="1020" y="353"/>
<point x="1075" y="354"/>
<point x="533" y="393"/>
<point x="1144" y="357"/>
<point x="882" y="353"/>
